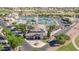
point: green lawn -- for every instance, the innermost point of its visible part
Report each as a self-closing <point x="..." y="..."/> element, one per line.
<point x="45" y="41"/>
<point x="69" y="47"/>
<point x="77" y="40"/>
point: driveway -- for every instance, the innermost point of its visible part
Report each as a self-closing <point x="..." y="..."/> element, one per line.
<point x="36" y="43"/>
<point x="27" y="47"/>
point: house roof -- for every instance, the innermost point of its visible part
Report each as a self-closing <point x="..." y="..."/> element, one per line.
<point x="1" y="21"/>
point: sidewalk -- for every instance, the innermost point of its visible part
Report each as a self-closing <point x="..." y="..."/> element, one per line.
<point x="36" y="43"/>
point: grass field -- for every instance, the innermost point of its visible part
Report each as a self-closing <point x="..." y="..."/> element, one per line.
<point x="69" y="47"/>
<point x="77" y="40"/>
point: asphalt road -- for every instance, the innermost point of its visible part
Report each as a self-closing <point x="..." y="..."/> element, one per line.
<point x="27" y="47"/>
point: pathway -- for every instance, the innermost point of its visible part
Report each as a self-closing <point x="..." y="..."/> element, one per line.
<point x="1" y="29"/>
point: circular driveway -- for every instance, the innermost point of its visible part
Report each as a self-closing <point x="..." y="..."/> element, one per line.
<point x="36" y="43"/>
<point x="28" y="47"/>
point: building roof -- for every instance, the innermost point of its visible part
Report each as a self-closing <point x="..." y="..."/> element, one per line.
<point x="1" y="22"/>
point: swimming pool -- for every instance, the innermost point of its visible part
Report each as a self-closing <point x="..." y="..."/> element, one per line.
<point x="41" y="20"/>
<point x="46" y="20"/>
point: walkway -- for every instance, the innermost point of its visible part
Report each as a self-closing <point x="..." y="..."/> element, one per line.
<point x="1" y="29"/>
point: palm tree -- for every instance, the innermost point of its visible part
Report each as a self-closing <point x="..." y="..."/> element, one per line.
<point x="51" y="28"/>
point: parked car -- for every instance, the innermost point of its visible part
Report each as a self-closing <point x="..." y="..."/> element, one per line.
<point x="53" y="43"/>
<point x="17" y="32"/>
<point x="3" y="40"/>
<point x="7" y="47"/>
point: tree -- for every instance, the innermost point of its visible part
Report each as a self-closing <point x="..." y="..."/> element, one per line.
<point x="51" y="28"/>
<point x="21" y="27"/>
<point x="48" y="34"/>
<point x="7" y="31"/>
<point x="61" y="38"/>
<point x="15" y="41"/>
<point x="1" y="47"/>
